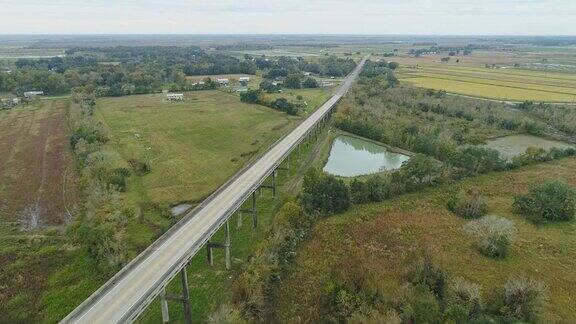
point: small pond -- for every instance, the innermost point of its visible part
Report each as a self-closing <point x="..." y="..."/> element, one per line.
<point x="511" y="146"/>
<point x="351" y="157"/>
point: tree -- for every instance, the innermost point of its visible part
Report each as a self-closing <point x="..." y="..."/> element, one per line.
<point x="269" y="86"/>
<point x="324" y="194"/>
<point x="419" y="169"/>
<point x="251" y="96"/>
<point x="293" y="81"/>
<point x="310" y="83"/>
<point x="551" y="201"/>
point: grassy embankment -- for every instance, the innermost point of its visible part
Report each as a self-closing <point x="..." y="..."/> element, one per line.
<point x="384" y="237"/>
<point x="501" y="84"/>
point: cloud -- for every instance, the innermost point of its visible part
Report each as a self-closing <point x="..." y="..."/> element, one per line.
<point x="296" y="16"/>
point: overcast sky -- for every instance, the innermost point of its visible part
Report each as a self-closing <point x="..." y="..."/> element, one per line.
<point x="448" y="17"/>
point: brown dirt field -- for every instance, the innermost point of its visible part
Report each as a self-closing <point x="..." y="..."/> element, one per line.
<point x="34" y="158"/>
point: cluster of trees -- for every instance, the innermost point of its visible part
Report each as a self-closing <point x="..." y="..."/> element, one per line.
<point x="283" y="66"/>
<point x="256" y="97"/>
<point x="560" y="117"/>
<point x="551" y="201"/>
<point x="101" y="227"/>
<point x="116" y="71"/>
<point x="424" y="121"/>
<point x="429" y="295"/>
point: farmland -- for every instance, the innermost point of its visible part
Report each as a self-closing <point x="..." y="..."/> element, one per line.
<point x="38" y="197"/>
<point x="493" y="83"/>
<point x="36" y="167"/>
<point x="382" y="238"/>
<point x="192" y="146"/>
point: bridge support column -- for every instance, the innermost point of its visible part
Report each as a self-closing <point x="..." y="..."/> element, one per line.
<point x="185" y="296"/>
<point x="239" y="223"/>
<point x="164" y="306"/>
<point x="253" y="211"/>
<point x="184" y="299"/>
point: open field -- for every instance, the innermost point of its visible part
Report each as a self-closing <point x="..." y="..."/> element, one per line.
<point x="313" y="97"/>
<point x="381" y="239"/>
<point x="499" y="83"/>
<point x="192" y="146"/>
<point x="36" y="165"/>
<point x="37" y="183"/>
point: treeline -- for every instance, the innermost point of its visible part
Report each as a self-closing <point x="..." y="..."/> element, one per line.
<point x="101" y="227"/>
<point x="560" y="117"/>
<point x="123" y="70"/>
<point x="116" y="71"/>
<point x="425" y="121"/>
<point x="283" y="66"/>
<point x="282" y="104"/>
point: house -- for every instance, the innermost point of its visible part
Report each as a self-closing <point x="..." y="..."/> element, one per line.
<point x="33" y="94"/>
<point x="175" y="96"/>
<point x="223" y="81"/>
<point x="244" y="79"/>
<point x="326" y="84"/>
<point x="307" y="74"/>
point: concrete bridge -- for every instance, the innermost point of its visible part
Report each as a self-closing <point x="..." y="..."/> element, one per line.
<point x="126" y="295"/>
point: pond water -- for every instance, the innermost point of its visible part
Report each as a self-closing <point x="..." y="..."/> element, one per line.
<point x="511" y="146"/>
<point x="180" y="209"/>
<point x="351" y="157"/>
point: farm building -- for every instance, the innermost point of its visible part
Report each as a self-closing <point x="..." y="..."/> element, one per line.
<point x="175" y="96"/>
<point x="244" y="79"/>
<point x="223" y="81"/>
<point x="32" y="94"/>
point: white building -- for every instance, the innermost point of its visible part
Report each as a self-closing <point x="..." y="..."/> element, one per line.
<point x="244" y="79"/>
<point x="223" y="81"/>
<point x="175" y="96"/>
<point x="32" y="94"/>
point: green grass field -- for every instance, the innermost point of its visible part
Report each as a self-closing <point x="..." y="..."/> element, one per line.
<point x="192" y="146"/>
<point x="383" y="238"/>
<point x="501" y="84"/>
<point x="313" y="97"/>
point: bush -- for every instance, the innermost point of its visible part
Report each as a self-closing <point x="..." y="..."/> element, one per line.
<point x="251" y="96"/>
<point x="471" y="206"/>
<point x="475" y="160"/>
<point x="464" y="300"/>
<point x="310" y="83"/>
<point x="424" y="273"/>
<point x="522" y="297"/>
<point x="551" y="201"/>
<point x="494" y="234"/>
<point x="324" y="194"/>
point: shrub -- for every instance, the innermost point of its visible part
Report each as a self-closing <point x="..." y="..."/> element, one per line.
<point x="464" y="300"/>
<point x="471" y="206"/>
<point x="423" y="272"/>
<point x="324" y="194"/>
<point x="251" y="96"/>
<point x="522" y="297"/>
<point x="551" y="201"/>
<point x="475" y="160"/>
<point x="494" y="234"/>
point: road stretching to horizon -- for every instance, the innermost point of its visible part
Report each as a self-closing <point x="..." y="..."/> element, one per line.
<point x="126" y="295"/>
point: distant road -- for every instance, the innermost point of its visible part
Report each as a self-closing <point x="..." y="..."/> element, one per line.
<point x="128" y="293"/>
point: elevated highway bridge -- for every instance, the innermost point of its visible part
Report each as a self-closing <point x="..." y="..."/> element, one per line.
<point x="126" y="295"/>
